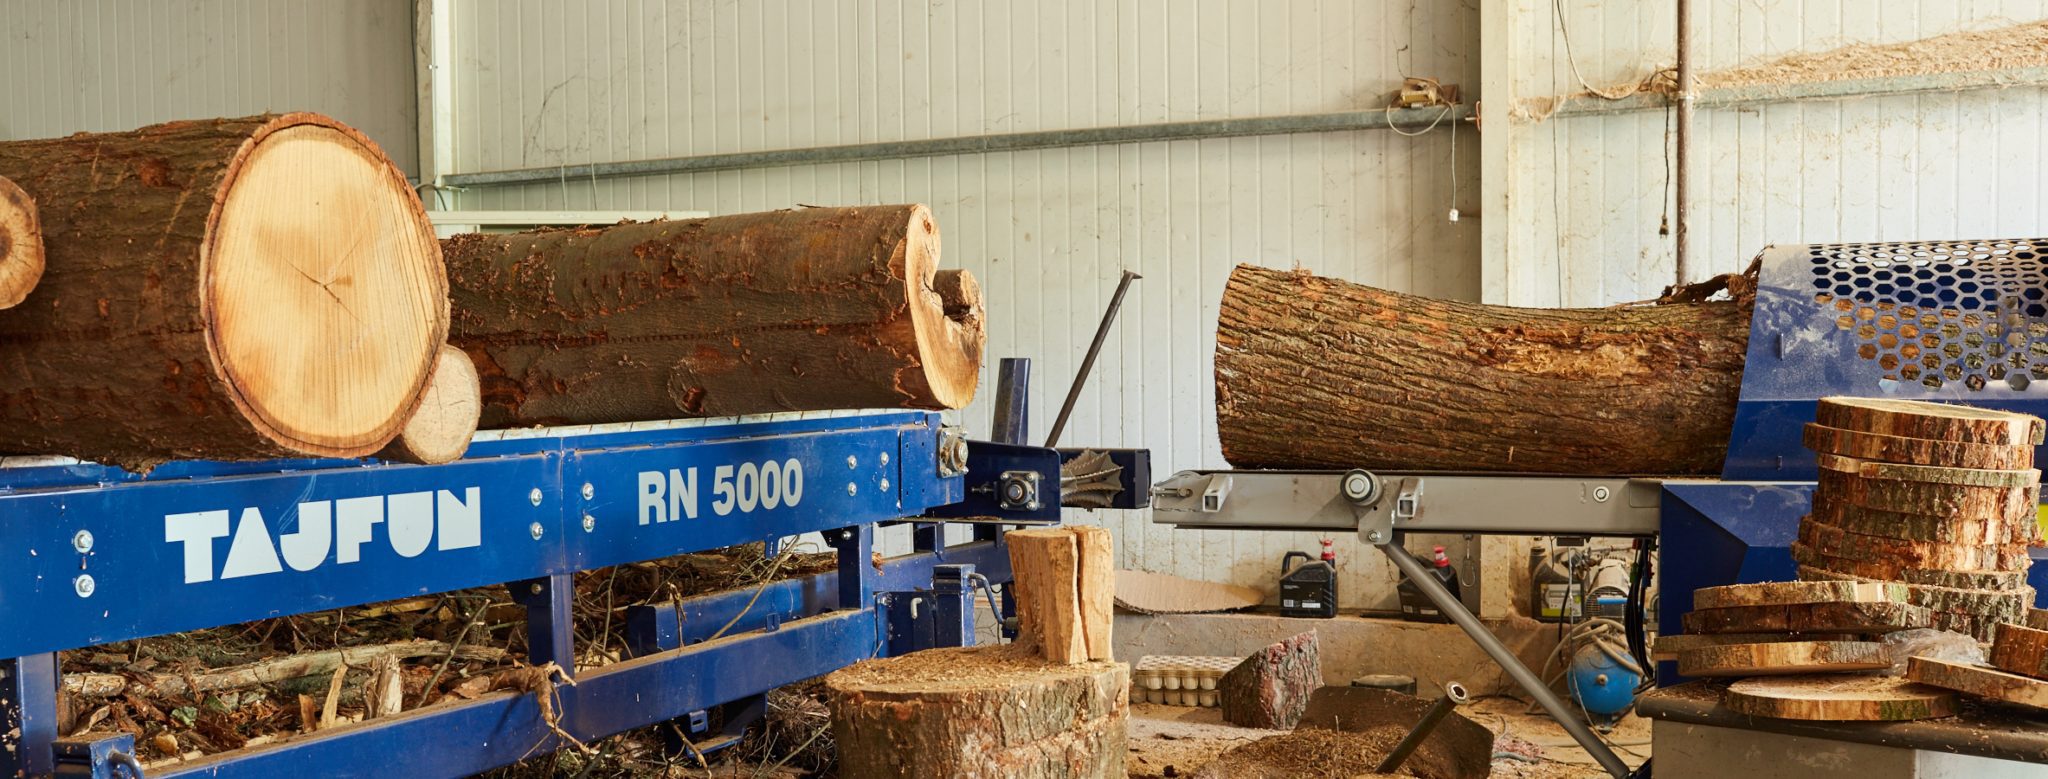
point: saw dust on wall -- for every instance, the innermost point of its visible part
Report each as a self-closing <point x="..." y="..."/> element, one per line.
<point x="2003" y="48"/>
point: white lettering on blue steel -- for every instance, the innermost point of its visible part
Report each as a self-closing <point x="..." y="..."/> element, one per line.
<point x="335" y="530"/>
<point x="747" y="487"/>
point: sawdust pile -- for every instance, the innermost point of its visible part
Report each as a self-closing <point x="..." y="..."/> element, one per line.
<point x="2002" y="48"/>
<point x="1328" y="754"/>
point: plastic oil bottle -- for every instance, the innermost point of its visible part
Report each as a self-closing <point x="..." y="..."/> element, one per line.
<point x="1417" y="607"/>
<point x="1309" y="589"/>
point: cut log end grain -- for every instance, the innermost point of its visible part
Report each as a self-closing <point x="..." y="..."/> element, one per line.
<point x="1315" y="372"/>
<point x="1980" y="681"/>
<point x="237" y="288"/>
<point x="946" y="313"/>
<point x="21" y="244"/>
<point x="1936" y="421"/>
<point x="1838" y="697"/>
<point x="1783" y="658"/>
<point x="440" y="430"/>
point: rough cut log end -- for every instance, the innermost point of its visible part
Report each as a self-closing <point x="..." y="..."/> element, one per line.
<point x="324" y="286"/>
<point x="21" y="244"/>
<point x="945" y="309"/>
<point x="440" y="430"/>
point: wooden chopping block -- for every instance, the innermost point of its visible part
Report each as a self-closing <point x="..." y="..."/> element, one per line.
<point x="1810" y="618"/>
<point x="1789" y="593"/>
<point x="2020" y="649"/>
<point x="1859" y="698"/>
<point x="1938" y="421"/>
<point x="1920" y="451"/>
<point x="1780" y="658"/>
<point x="1980" y="681"/>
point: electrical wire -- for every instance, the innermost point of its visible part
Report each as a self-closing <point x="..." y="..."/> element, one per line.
<point x="1424" y="131"/>
<point x="1565" y="30"/>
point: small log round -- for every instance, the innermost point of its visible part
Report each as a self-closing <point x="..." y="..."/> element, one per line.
<point x="21" y="244"/>
<point x="996" y="712"/>
<point x="440" y="430"/>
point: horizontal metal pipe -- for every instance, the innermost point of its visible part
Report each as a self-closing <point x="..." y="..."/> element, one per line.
<point x="1842" y="89"/>
<point x="1376" y="119"/>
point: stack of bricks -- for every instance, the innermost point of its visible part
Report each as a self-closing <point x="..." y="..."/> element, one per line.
<point x="1938" y="498"/>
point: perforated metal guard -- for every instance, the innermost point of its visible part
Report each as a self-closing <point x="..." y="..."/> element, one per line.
<point x="1957" y="315"/>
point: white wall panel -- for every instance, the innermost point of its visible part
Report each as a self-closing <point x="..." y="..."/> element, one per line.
<point x="103" y="65"/>
<point x="1592" y="190"/>
<point x="1048" y="231"/>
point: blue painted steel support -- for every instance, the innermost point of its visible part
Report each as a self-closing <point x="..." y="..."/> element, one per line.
<point x="28" y="714"/>
<point x="651" y="629"/>
<point x="99" y="756"/>
<point x="856" y="547"/>
<point x="550" y="627"/>
<point x="953" y="605"/>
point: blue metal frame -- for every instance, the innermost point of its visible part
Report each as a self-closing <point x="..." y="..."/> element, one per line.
<point x="233" y="542"/>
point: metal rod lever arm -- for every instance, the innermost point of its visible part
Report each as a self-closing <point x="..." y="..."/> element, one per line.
<point x="1455" y="609"/>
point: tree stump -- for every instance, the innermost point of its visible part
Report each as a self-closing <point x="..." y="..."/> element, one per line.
<point x="999" y="712"/>
<point x="817" y="308"/>
<point x="222" y="289"/>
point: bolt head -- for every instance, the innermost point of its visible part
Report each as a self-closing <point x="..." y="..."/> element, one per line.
<point x="534" y="496"/>
<point x="885" y="458"/>
<point x="1600" y="494"/>
<point x="589" y="491"/>
<point x="852" y="462"/>
<point x="852" y="489"/>
<point x="82" y="541"/>
<point x="534" y="588"/>
<point x="536" y="530"/>
<point x="589" y="523"/>
<point x="885" y="485"/>
<point x="1372" y="535"/>
<point x="83" y="585"/>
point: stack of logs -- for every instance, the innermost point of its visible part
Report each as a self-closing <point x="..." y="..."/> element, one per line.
<point x="270" y="287"/>
<point x="1052" y="704"/>
<point x="1939" y="498"/>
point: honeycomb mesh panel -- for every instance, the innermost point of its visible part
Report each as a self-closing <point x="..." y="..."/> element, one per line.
<point x="1957" y="314"/>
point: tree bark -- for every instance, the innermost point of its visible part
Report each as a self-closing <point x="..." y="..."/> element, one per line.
<point x="819" y="308"/>
<point x="1319" y="373"/>
<point x="225" y="289"/>
<point x="21" y="244"/>
<point x="995" y="712"/>
<point x="439" y="431"/>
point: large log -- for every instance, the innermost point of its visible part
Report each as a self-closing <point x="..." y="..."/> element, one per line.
<point x="21" y="244"/>
<point x="818" y="308"/>
<point x="1314" y="372"/>
<point x="226" y="288"/>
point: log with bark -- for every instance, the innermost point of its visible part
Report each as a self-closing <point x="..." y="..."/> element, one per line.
<point x="819" y="308"/>
<point x="225" y="288"/>
<point x="21" y="244"/>
<point x="1314" y="372"/>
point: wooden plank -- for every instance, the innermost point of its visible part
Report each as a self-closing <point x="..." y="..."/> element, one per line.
<point x="2020" y="649"/>
<point x="1787" y="593"/>
<point x="1920" y="451"/>
<point x="1938" y="421"/>
<point x="1980" y="681"/>
<point x="1840" y="697"/>
<point x="1836" y="542"/>
<point x="1930" y="474"/>
<point x="1780" y="658"/>
<point x="1809" y="618"/>
<point x="1918" y="497"/>
<point x="1669" y="647"/>
<point x="1923" y="527"/>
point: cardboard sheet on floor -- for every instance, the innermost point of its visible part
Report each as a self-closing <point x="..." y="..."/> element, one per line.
<point x="1158" y="593"/>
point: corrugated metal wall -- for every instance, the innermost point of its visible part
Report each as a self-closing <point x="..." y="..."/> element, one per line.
<point x="1047" y="231"/>
<point x="1593" y="190"/>
<point x="102" y="65"/>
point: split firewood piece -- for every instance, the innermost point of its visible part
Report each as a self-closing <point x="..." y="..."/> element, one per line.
<point x="1809" y="618"/>
<point x="222" y="289"/>
<point x="1316" y="372"/>
<point x="1980" y="681"/>
<point x="811" y="309"/>
<point x="384" y="695"/>
<point x="1917" y="497"/>
<point x="1835" y="542"/>
<point x="1097" y="587"/>
<point x="1931" y="474"/>
<point x="1783" y="657"/>
<point x="1923" y="527"/>
<point x="2020" y="649"/>
<point x="1919" y="451"/>
<point x="1669" y="647"/>
<point x="1840" y="697"/>
<point x="1788" y="593"/>
<point x="21" y="244"/>
<point x="1045" y="564"/>
<point x="986" y="711"/>
<point x="439" y="431"/>
<point x="1937" y="421"/>
<point x="330" y="710"/>
<point x="1965" y="579"/>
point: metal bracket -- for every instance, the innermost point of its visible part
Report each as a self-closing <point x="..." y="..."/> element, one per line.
<point x="1018" y="491"/>
<point x="97" y="756"/>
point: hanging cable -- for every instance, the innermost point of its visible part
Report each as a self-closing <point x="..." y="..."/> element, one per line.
<point x="1565" y="30"/>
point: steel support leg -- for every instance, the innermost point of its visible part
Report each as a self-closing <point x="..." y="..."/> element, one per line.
<point x="856" y="547"/>
<point x="28" y="715"/>
<point x="1455" y="609"/>
<point x="550" y="627"/>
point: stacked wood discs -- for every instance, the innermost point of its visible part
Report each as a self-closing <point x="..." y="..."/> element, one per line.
<point x="1805" y="650"/>
<point x="1940" y="499"/>
<point x="2019" y="656"/>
